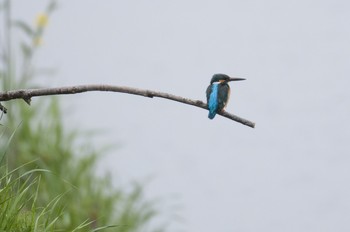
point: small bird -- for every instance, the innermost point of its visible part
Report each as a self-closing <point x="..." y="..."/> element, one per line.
<point x="218" y="93"/>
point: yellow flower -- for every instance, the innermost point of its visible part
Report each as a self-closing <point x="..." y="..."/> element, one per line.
<point x="41" y="20"/>
<point x="37" y="41"/>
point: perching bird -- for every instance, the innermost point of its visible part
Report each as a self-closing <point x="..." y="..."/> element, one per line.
<point x="218" y="93"/>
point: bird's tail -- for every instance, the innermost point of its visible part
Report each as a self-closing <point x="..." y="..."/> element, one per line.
<point x="211" y="114"/>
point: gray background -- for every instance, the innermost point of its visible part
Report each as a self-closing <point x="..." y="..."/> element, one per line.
<point x="291" y="173"/>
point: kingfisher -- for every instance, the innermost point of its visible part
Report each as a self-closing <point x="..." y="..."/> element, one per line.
<point x="218" y="93"/>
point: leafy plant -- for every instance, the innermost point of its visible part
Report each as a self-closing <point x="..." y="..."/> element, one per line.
<point x="48" y="182"/>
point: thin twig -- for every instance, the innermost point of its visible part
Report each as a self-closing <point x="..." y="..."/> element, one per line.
<point x="27" y="94"/>
<point x="3" y="109"/>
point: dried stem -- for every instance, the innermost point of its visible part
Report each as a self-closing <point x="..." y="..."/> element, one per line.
<point x="27" y="94"/>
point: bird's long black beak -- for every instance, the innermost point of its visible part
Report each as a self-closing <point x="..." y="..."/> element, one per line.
<point x="236" y="79"/>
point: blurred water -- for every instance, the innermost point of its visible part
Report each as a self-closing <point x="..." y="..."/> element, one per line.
<point x="291" y="173"/>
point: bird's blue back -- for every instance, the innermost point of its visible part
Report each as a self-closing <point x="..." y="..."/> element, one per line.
<point x="213" y="100"/>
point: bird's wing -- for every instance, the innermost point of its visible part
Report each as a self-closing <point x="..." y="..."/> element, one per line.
<point x="209" y="89"/>
<point x="223" y="95"/>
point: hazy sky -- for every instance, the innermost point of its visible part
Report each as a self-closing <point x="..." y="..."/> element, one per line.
<point x="290" y="173"/>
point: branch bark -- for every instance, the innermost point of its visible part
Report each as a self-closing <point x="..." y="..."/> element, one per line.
<point x="27" y="94"/>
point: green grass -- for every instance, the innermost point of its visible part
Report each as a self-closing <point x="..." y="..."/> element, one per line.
<point x="48" y="180"/>
<point x="17" y="202"/>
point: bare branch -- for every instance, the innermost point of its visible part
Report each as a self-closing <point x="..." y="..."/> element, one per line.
<point x="27" y="94"/>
